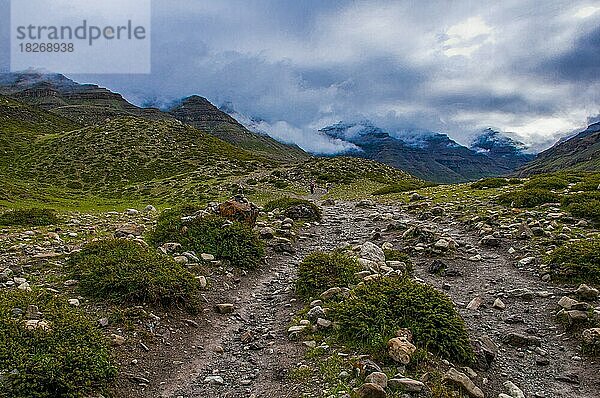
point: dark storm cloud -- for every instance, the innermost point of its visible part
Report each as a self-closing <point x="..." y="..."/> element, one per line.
<point x="525" y="66"/>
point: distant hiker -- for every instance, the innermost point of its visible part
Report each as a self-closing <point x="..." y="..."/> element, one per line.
<point x="312" y="187"/>
<point x="327" y="187"/>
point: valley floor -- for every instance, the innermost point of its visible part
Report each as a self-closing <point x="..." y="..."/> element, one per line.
<point x="247" y="353"/>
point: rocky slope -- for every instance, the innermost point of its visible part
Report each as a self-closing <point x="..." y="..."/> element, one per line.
<point x="199" y="112"/>
<point x="578" y="153"/>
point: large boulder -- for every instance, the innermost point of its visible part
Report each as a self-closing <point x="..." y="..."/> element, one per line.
<point x="372" y="252"/>
<point x="400" y="348"/>
<point x="302" y="211"/>
<point x="237" y="210"/>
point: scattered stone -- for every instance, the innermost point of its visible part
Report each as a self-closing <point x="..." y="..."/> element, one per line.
<point x="513" y="390"/>
<point x="566" y="302"/>
<point x="464" y="381"/>
<point x="324" y="323"/>
<point x="267" y="233"/>
<point x="213" y="379"/>
<point x="33" y="324"/>
<point x="585" y="292"/>
<point x="74" y="302"/>
<point x="207" y="257"/>
<point x="475" y="303"/>
<point x="406" y="384"/>
<point x="499" y="304"/>
<point x="378" y="378"/>
<point x="400" y="350"/>
<point x="490" y="241"/>
<point x="591" y="336"/>
<point x="370" y="390"/>
<point x="329" y="293"/>
<point x="117" y="339"/>
<point x="521" y="340"/>
<point x="437" y="267"/>
<point x="315" y="313"/>
<point x="372" y="252"/>
<point x="225" y="308"/>
<point x="181" y="259"/>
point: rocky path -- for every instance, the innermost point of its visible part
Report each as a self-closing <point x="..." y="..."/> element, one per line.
<point x="247" y="354"/>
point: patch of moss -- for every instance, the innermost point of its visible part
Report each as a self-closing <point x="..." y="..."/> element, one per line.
<point x="527" y="198"/>
<point x="320" y="271"/>
<point x="576" y="262"/>
<point x="490" y="183"/>
<point x="402" y="186"/>
<point x="547" y="182"/>
<point x="585" y="204"/>
<point x="376" y="310"/>
<point x="29" y="217"/>
<point x="69" y="358"/>
<point x="119" y="270"/>
<point x="234" y="242"/>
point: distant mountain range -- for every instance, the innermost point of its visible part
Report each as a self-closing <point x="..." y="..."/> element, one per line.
<point x="578" y="153"/>
<point x="433" y="156"/>
<point x="62" y="104"/>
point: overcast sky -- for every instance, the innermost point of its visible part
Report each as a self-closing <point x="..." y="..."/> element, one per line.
<point x="529" y="67"/>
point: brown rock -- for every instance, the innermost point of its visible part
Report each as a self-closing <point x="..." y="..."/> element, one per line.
<point x="400" y="350"/>
<point x="237" y="211"/>
<point x="370" y="390"/>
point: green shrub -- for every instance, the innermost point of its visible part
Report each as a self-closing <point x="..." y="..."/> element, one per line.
<point x="586" y="205"/>
<point x="29" y="217"/>
<point x="71" y="359"/>
<point x="490" y="183"/>
<point x="401" y="186"/>
<point x="547" y="183"/>
<point x="320" y="271"/>
<point x="123" y="271"/>
<point x="528" y="198"/>
<point x="234" y="242"/>
<point x="576" y="262"/>
<point x="287" y="205"/>
<point x="376" y="310"/>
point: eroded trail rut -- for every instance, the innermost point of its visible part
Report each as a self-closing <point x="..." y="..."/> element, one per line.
<point x="247" y="353"/>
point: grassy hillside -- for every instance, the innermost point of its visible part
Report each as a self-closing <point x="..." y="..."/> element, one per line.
<point x="132" y="150"/>
<point x="22" y="125"/>
<point x="579" y="153"/>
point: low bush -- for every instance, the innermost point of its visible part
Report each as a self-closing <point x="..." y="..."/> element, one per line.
<point x="64" y="356"/>
<point x="320" y="271"/>
<point x="576" y="262"/>
<point x="528" y="198"/>
<point x="547" y="182"/>
<point x="29" y="217"/>
<point x="234" y="242"/>
<point x="123" y="271"/>
<point x="490" y="183"/>
<point x="585" y="205"/>
<point x="295" y="208"/>
<point x="376" y="310"/>
<point x="401" y="186"/>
